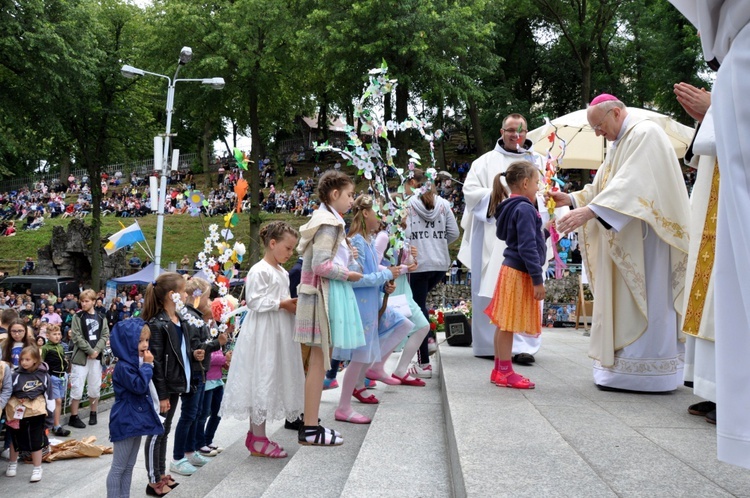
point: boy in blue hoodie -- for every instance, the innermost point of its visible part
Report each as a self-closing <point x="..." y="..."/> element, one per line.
<point x="133" y="414"/>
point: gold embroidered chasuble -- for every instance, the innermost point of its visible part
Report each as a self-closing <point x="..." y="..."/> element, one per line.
<point x="640" y="178"/>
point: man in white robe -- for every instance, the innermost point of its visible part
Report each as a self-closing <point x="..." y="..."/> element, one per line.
<point x="724" y="27"/>
<point x="481" y="251"/>
<point x="634" y="220"/>
<point x="698" y="324"/>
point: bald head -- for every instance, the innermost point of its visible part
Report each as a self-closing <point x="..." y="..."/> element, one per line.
<point x="606" y="118"/>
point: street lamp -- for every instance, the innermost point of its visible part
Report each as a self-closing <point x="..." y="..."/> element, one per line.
<point x="216" y="83"/>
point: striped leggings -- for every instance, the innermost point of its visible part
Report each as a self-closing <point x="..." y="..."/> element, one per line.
<point x="155" y="448"/>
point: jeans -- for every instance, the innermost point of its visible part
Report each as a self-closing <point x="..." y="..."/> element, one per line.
<point x="184" y="434"/>
<point x="155" y="448"/>
<point x="121" y="471"/>
<point x="421" y="284"/>
<point x="205" y="431"/>
<point x="333" y="372"/>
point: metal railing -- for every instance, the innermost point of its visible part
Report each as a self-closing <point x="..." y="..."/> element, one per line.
<point x="140" y="168"/>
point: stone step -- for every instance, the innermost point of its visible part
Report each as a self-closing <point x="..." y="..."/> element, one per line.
<point x="405" y="450"/>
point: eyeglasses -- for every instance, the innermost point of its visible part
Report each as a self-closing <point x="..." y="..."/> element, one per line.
<point x="515" y="131"/>
<point x="599" y="126"/>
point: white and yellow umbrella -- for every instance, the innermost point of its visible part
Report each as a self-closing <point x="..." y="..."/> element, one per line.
<point x="584" y="150"/>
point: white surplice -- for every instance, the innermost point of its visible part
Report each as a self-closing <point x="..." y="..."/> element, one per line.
<point x="700" y="350"/>
<point x="725" y="35"/>
<point x="482" y="252"/>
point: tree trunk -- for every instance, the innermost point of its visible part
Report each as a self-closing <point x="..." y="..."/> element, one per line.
<point x="401" y="139"/>
<point x="95" y="177"/>
<point x="586" y="80"/>
<point x="65" y="169"/>
<point x="256" y="154"/>
<point x="476" y="126"/>
<point x="440" y="146"/>
<point x="206" y="152"/>
<point x="323" y="119"/>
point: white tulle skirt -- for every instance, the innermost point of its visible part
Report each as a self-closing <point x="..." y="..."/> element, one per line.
<point x="266" y="380"/>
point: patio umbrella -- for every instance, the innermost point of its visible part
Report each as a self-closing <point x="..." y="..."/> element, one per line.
<point x="585" y="150"/>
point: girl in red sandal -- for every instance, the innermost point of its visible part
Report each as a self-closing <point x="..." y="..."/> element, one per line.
<point x="514" y="308"/>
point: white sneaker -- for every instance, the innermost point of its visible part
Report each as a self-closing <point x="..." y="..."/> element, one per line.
<point x="11" y="470"/>
<point x="5" y="453"/>
<point x="207" y="452"/>
<point x="423" y="371"/>
<point x="36" y="474"/>
<point x="196" y="460"/>
<point x="431" y="346"/>
<point x="217" y="449"/>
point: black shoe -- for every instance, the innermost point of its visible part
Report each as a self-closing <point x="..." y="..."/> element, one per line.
<point x="524" y="359"/>
<point x="702" y="409"/>
<point x="92" y="418"/>
<point x="75" y="421"/>
<point x="711" y="417"/>
<point x="297" y="424"/>
<point x="61" y="432"/>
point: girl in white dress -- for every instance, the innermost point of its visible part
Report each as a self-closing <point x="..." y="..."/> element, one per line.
<point x="266" y="381"/>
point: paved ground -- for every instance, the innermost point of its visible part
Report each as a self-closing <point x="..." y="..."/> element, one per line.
<point x="567" y="438"/>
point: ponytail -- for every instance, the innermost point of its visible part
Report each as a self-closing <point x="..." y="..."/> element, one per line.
<point x="157" y="292"/>
<point x="499" y="194"/>
<point x="428" y="198"/>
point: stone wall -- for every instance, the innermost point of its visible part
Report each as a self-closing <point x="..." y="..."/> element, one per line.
<point x="564" y="290"/>
<point x="446" y="294"/>
<point x="69" y="254"/>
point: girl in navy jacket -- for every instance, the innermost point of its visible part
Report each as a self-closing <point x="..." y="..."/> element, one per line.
<point x="133" y="414"/>
<point x="514" y="308"/>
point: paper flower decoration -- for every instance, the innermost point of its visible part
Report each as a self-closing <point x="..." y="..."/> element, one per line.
<point x="374" y="156"/>
<point x="231" y="219"/>
<point x="196" y="198"/>
<point x="241" y="159"/>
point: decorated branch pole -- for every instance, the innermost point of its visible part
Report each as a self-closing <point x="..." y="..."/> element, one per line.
<point x="553" y="184"/>
<point x="373" y="156"/>
<point x="220" y="269"/>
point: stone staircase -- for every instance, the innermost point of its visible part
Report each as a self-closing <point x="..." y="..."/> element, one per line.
<point x="402" y="453"/>
<point x="462" y="436"/>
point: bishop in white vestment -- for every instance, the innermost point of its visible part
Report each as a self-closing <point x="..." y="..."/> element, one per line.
<point x="634" y="239"/>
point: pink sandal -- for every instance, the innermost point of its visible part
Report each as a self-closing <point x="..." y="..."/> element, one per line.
<point x="353" y="418"/>
<point x="369" y="400"/>
<point x="522" y="383"/>
<point x="373" y="375"/>
<point x="275" y="450"/>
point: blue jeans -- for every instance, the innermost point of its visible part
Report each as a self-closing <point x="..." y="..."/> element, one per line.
<point x="204" y="432"/>
<point x="184" y="434"/>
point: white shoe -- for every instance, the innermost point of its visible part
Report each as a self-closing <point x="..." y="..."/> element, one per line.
<point x="11" y="470"/>
<point x="5" y="453"/>
<point x="422" y="371"/>
<point x="217" y="449"/>
<point x="431" y="346"/>
<point x="36" y="474"/>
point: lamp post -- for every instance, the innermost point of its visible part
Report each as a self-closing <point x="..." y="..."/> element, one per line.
<point x="216" y="83"/>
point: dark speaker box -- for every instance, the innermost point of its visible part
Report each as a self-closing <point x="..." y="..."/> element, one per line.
<point x="457" y="329"/>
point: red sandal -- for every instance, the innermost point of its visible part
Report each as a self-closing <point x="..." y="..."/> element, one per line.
<point x="522" y="383"/>
<point x="369" y="400"/>
<point x="276" y="451"/>
<point x="405" y="381"/>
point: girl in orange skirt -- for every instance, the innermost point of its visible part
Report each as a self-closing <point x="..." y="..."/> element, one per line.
<point x="514" y="308"/>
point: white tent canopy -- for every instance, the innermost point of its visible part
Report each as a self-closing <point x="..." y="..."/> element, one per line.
<point x="584" y="150"/>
